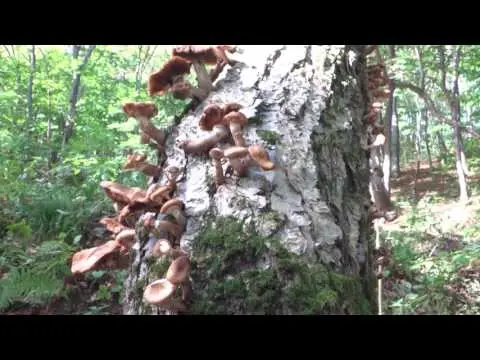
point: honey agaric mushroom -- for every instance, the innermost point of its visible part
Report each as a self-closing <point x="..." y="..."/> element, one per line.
<point x="126" y="238"/>
<point x="232" y="106"/>
<point x="236" y="121"/>
<point x="239" y="159"/>
<point x="137" y="162"/>
<point x="178" y="270"/>
<point x="212" y="115"/>
<point x="379" y="141"/>
<point x="175" y="208"/>
<point x="87" y="259"/>
<point x="159" y="292"/>
<point x="113" y="225"/>
<point x="159" y="194"/>
<point x="122" y="194"/>
<point x="203" y="145"/>
<point x="143" y="112"/>
<point x="207" y="54"/>
<point x="217" y="155"/>
<point x="173" y="70"/>
<point x="260" y="155"/>
<point x="161" y="248"/>
<point x="164" y="227"/>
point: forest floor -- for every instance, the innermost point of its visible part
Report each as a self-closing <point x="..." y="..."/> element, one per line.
<point x="434" y="265"/>
<point x="435" y="245"/>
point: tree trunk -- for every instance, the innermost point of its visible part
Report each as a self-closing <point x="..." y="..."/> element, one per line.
<point x="289" y="241"/>
<point x="427" y="138"/>
<point x="395" y="143"/>
<point x="72" y="112"/>
<point x="33" y="65"/>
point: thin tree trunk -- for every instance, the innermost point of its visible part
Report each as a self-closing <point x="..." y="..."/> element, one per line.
<point x="72" y="112"/>
<point x="395" y="140"/>
<point x="33" y="65"/>
<point x="427" y="138"/>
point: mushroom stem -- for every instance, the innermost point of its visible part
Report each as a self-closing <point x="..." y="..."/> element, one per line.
<point x="200" y="146"/>
<point x="151" y="130"/>
<point x="216" y="155"/>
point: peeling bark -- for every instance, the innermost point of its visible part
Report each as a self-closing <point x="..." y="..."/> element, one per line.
<point x="314" y="99"/>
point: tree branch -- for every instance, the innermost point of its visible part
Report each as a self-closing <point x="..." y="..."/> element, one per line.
<point x="431" y="105"/>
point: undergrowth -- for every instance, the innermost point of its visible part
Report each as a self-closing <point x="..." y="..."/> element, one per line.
<point x="432" y="272"/>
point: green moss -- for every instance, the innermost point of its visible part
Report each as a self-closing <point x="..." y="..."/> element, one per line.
<point x="270" y="137"/>
<point x="159" y="267"/>
<point x="228" y="281"/>
<point x="255" y="120"/>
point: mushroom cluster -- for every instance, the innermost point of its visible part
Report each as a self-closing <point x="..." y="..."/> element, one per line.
<point x="171" y="77"/>
<point x="226" y="124"/>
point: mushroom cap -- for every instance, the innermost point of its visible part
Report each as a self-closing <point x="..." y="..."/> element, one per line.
<point x="123" y="194"/>
<point x="158" y="292"/>
<point x="203" y="53"/>
<point x="260" y="155"/>
<point x="216" y="154"/>
<point x="135" y="109"/>
<point x="172" y="173"/>
<point x="85" y="260"/>
<point x="235" y="117"/>
<point x="133" y="160"/>
<point x="235" y="152"/>
<point x="112" y="225"/>
<point x="232" y="106"/>
<point x="126" y="238"/>
<point x="161" y="247"/>
<point x="178" y="270"/>
<point x="171" y="204"/>
<point x="159" y="82"/>
<point x="169" y="226"/>
<point x="211" y="116"/>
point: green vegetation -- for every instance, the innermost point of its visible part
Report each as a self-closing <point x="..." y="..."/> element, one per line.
<point x="270" y="137"/>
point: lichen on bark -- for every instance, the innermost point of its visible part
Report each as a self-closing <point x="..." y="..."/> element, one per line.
<point x="299" y="239"/>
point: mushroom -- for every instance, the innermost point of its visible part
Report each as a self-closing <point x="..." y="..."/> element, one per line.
<point x="112" y="225"/>
<point x="173" y="70"/>
<point x="239" y="159"/>
<point x="165" y="227"/>
<point x="137" y="162"/>
<point x="88" y="259"/>
<point x="159" y="292"/>
<point x="122" y="194"/>
<point x="159" y="194"/>
<point x="143" y="112"/>
<point x="163" y="248"/>
<point x="212" y="115"/>
<point x="207" y="54"/>
<point x="232" y="106"/>
<point x="216" y="154"/>
<point x="260" y="156"/>
<point x="126" y="238"/>
<point x="236" y="121"/>
<point x="200" y="146"/>
<point x="178" y="270"/>
<point x="175" y="207"/>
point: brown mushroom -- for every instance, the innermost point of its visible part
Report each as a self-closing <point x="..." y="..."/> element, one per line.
<point x="122" y="194"/>
<point x="261" y="157"/>
<point x="137" y="162"/>
<point x="212" y="115"/>
<point x="161" y="248"/>
<point x="164" y="227"/>
<point x="126" y="238"/>
<point x="143" y="112"/>
<point x="87" y="259"/>
<point x="178" y="270"/>
<point x="232" y="106"/>
<point x="216" y="154"/>
<point x="175" y="207"/>
<point x="239" y="159"/>
<point x="174" y="69"/>
<point x="203" y="145"/>
<point x="236" y="121"/>
<point x="113" y="225"/>
<point x="159" y="292"/>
